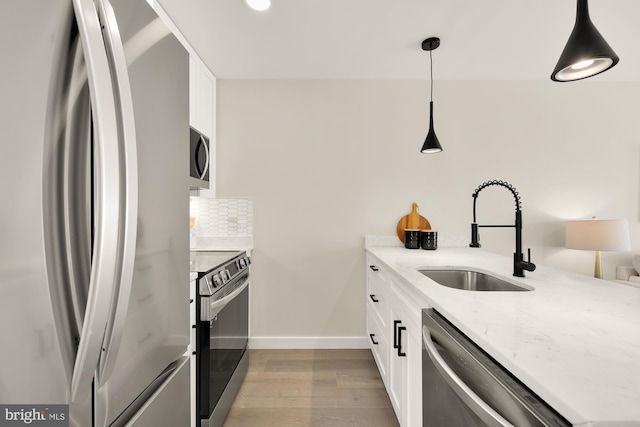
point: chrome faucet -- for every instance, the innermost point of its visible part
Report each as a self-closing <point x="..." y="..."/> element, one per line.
<point x="519" y="264"/>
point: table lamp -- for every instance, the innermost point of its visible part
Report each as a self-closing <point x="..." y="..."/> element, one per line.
<point x="598" y="235"/>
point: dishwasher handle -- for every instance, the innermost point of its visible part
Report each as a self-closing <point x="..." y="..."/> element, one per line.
<point x="468" y="396"/>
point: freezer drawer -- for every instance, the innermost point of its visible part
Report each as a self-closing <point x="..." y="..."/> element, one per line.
<point x="169" y="405"/>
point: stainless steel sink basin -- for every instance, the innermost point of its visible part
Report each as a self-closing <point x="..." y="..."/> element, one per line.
<point x="471" y="280"/>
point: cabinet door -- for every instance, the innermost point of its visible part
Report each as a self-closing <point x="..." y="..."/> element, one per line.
<point x="207" y="94"/>
<point x="194" y="103"/>
<point x="413" y="398"/>
<point x="397" y="363"/>
<point x="405" y="369"/>
<point x="405" y="361"/>
<point x="202" y="98"/>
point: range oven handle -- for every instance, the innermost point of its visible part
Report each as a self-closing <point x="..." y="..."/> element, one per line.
<point x="215" y="307"/>
<point x="471" y="399"/>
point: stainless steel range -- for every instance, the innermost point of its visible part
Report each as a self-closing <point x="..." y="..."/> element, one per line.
<point x="222" y="331"/>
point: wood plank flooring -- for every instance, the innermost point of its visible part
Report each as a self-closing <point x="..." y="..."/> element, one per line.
<point x="312" y="388"/>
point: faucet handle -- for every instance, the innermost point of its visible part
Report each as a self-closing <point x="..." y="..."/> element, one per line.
<point x="529" y="266"/>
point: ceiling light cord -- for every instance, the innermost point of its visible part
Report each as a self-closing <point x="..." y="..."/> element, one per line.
<point x="431" y="66"/>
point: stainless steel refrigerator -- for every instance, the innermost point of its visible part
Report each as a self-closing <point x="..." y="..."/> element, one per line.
<point x="94" y="168"/>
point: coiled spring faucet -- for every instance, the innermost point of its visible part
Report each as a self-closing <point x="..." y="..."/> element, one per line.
<point x="519" y="264"/>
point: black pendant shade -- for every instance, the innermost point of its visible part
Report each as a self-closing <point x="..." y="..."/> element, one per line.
<point x="431" y="143"/>
<point x="587" y="53"/>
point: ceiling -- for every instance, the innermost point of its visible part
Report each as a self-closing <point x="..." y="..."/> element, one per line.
<point x="381" y="39"/>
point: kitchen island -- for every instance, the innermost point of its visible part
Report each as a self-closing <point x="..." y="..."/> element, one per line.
<point x="572" y="339"/>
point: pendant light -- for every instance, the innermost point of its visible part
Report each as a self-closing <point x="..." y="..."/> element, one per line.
<point x="431" y="143"/>
<point x="587" y="53"/>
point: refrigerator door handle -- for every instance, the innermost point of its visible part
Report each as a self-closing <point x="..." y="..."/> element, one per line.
<point x="129" y="197"/>
<point x="106" y="201"/>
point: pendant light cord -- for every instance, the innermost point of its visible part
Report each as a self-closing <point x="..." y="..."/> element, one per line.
<point x="431" y="66"/>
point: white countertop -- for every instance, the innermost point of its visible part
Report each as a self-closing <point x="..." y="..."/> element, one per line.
<point x="574" y="340"/>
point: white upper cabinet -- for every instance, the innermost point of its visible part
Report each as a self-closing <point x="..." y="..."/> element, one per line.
<point x="202" y="98"/>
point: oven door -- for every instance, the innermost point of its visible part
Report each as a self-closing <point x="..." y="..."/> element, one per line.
<point x="222" y="359"/>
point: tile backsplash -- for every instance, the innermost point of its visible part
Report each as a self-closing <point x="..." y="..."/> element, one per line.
<point x="222" y="217"/>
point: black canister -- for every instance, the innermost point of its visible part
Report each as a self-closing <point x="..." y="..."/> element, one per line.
<point x="412" y="239"/>
<point x="429" y="239"/>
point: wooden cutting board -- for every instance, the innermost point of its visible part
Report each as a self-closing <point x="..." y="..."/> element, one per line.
<point x="412" y="221"/>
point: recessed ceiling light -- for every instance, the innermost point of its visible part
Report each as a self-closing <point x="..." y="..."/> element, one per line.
<point x="258" y="4"/>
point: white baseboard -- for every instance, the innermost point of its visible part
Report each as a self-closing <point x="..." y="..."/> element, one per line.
<point x="307" y="342"/>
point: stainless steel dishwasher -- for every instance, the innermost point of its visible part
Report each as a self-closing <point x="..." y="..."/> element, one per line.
<point x="463" y="386"/>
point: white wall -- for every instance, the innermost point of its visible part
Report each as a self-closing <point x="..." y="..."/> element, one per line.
<point x="327" y="162"/>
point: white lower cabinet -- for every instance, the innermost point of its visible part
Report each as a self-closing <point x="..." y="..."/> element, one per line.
<point x="398" y="349"/>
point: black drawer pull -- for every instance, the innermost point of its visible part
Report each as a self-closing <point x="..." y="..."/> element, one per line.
<point x="400" y="352"/>
<point x="395" y="332"/>
<point x="372" y="340"/>
<point x="373" y="298"/>
<point x="373" y="267"/>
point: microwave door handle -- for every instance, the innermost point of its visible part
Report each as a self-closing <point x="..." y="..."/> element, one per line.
<point x="105" y="242"/>
<point x="201" y="143"/>
<point x="468" y="396"/>
<point x="217" y="306"/>
<point x="129" y="196"/>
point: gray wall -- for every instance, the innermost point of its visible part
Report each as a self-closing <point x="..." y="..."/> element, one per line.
<point x="328" y="162"/>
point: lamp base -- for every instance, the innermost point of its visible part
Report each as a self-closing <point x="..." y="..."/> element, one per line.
<point x="597" y="271"/>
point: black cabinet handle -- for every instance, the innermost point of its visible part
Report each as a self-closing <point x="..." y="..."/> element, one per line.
<point x="373" y="267"/>
<point x="395" y="332"/>
<point x="373" y="298"/>
<point x="372" y="340"/>
<point x="400" y="352"/>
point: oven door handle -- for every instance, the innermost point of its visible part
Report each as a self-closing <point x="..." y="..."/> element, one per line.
<point x="466" y="394"/>
<point x="217" y="306"/>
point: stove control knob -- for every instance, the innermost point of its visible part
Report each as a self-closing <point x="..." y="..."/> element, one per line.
<point x="242" y="263"/>
<point x="225" y="276"/>
<point x="217" y="281"/>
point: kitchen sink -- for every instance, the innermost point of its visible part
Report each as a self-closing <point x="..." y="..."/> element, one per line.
<point x="468" y="280"/>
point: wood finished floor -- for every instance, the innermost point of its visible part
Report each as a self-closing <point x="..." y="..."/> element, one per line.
<point x="312" y="388"/>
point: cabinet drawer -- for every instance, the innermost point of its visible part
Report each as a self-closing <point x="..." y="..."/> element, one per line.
<point x="377" y="343"/>
<point x="378" y="300"/>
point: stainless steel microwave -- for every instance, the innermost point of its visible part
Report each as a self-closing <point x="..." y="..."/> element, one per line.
<point x="200" y="160"/>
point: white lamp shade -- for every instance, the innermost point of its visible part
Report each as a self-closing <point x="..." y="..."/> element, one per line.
<point x="259" y="4"/>
<point x="598" y="235"/>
